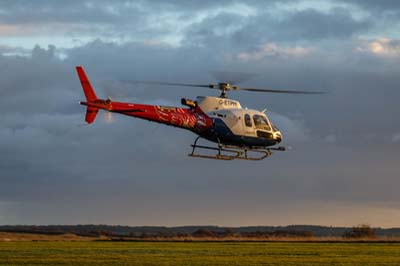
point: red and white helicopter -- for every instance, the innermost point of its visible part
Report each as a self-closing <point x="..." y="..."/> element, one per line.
<point x="239" y="133"/>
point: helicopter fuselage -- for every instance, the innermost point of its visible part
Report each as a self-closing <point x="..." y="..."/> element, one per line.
<point x="219" y="122"/>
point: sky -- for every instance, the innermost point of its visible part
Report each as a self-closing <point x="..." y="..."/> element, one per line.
<point x="342" y="170"/>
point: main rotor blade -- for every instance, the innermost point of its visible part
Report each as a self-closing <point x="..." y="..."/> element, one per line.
<point x="281" y="91"/>
<point x="176" y="84"/>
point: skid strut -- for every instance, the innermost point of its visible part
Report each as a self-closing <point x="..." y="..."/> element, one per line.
<point x="226" y="152"/>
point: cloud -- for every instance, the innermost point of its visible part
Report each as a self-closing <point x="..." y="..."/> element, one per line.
<point x="308" y="25"/>
<point x="273" y="50"/>
<point x="396" y="138"/>
<point x="222" y="24"/>
<point x="330" y="139"/>
<point x="8" y="50"/>
<point x="295" y="129"/>
<point x="139" y="165"/>
<point x="384" y="5"/>
<point x="381" y="47"/>
<point x="312" y="24"/>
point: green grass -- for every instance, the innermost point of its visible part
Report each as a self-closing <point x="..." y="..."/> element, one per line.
<point x="198" y="253"/>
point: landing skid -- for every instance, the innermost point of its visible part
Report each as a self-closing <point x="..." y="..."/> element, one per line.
<point x="227" y="153"/>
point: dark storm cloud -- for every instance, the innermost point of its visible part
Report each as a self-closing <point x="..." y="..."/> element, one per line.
<point x="311" y="24"/>
<point x="21" y="12"/>
<point x="51" y="160"/>
<point x="36" y="84"/>
<point x="386" y="12"/>
<point x="383" y="5"/>
<point x="54" y="8"/>
<point x="228" y="30"/>
<point x="103" y="12"/>
<point x="345" y="144"/>
<point x="138" y="19"/>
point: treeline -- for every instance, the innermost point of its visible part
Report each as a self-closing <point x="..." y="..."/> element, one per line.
<point x="204" y="231"/>
<point x="229" y="232"/>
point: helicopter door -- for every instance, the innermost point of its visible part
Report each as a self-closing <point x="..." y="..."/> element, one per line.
<point x="248" y="126"/>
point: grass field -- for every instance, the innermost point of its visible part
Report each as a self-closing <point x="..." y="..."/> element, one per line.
<point x="198" y="253"/>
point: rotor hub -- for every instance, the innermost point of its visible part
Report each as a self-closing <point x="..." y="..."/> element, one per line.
<point x="224" y="87"/>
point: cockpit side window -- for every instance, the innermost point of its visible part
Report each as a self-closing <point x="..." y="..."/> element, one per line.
<point x="261" y="122"/>
<point x="247" y="120"/>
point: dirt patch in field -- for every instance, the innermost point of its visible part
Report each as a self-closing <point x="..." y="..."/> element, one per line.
<point x="7" y="237"/>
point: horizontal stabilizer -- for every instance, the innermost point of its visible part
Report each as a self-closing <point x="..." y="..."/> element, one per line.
<point x="91" y="113"/>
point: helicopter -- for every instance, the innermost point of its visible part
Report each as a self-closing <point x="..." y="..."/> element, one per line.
<point x="239" y="133"/>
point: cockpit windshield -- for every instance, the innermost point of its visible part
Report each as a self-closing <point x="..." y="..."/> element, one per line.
<point x="261" y="122"/>
<point x="274" y="128"/>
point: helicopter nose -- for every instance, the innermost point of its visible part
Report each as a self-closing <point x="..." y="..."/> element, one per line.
<point x="278" y="137"/>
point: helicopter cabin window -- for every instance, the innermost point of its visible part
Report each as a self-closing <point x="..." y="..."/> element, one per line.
<point x="247" y="120"/>
<point x="261" y="122"/>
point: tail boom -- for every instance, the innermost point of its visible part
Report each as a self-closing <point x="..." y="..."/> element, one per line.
<point x="193" y="119"/>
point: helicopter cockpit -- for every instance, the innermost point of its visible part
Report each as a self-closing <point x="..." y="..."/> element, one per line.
<point x="261" y="122"/>
<point x="257" y="124"/>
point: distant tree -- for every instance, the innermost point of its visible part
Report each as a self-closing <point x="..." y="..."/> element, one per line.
<point x="254" y="234"/>
<point x="144" y="235"/>
<point x="183" y="235"/>
<point x="204" y="233"/>
<point x="293" y="233"/>
<point x="229" y="232"/>
<point x="360" y="231"/>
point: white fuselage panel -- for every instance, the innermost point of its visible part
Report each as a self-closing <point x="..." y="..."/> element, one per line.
<point x="208" y="103"/>
<point x="241" y="122"/>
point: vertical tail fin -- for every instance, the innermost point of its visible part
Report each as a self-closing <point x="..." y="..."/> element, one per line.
<point x="87" y="87"/>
